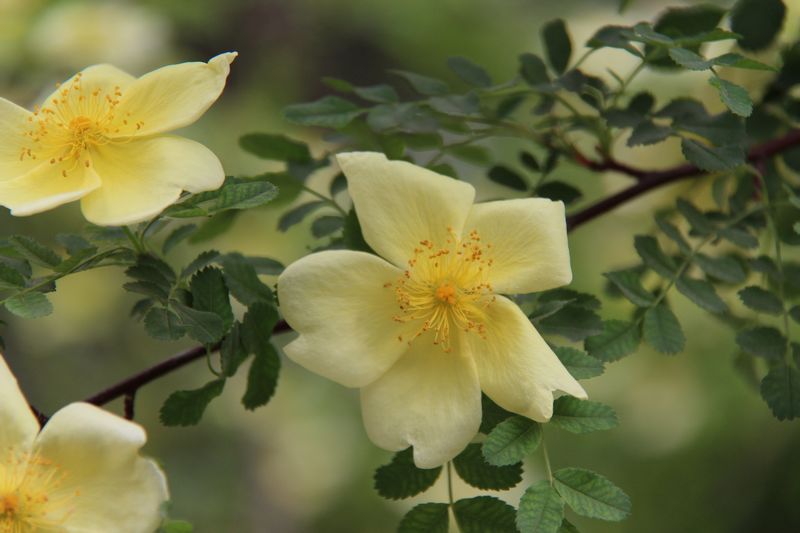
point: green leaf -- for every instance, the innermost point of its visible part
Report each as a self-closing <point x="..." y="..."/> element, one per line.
<point x="484" y="514"/>
<point x="473" y="468"/>
<point x="559" y="191"/>
<point x="179" y="235"/>
<point x="739" y="237"/>
<point x="573" y="322"/>
<point x="507" y="177"/>
<point x="734" y="96"/>
<point x="186" y="407"/>
<point x="326" y="225"/>
<point x="541" y="509"/>
<point x="209" y="293"/>
<point x="232" y="351"/>
<point x="739" y="61"/>
<point x="34" y="251"/>
<point x="712" y="158"/>
<point x="647" y="132"/>
<point x="29" y="305"/>
<point x="757" y="21"/>
<point x="477" y="155"/>
<point x="701" y="293"/>
<point x="242" y="279"/>
<point x="511" y="441"/>
<point x="761" y="300"/>
<point x="10" y="278"/>
<point x="650" y="251"/>
<point x="628" y="282"/>
<point x="382" y="93"/>
<point x="686" y="26"/>
<point x="202" y="326"/>
<point x="469" y="71"/>
<point x="582" y="416"/>
<point x="614" y="37"/>
<point x="557" y="44"/>
<point x="296" y="215"/>
<point x="275" y="147"/>
<point x="762" y="341"/>
<point x="781" y="390"/>
<point x="424" y="84"/>
<point x="402" y="479"/>
<point x="262" y="379"/>
<point x="675" y="234"/>
<point x="236" y="193"/>
<point x="533" y="70"/>
<point x="214" y="226"/>
<point x="205" y="258"/>
<point x="567" y="527"/>
<point x="256" y="332"/>
<point x="426" y="518"/>
<point x="689" y="60"/>
<point x="163" y="324"/>
<point x="327" y="112"/>
<point x="662" y="330"/>
<point x="617" y="340"/>
<point x="700" y="224"/>
<point x="592" y="495"/>
<point x="794" y="312"/>
<point x="577" y="363"/>
<point x="723" y="268"/>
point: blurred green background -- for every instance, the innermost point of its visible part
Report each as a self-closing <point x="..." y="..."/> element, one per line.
<point x="697" y="450"/>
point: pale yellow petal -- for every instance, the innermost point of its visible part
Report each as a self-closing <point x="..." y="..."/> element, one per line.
<point x="517" y="368"/>
<point x="173" y="96"/>
<point x="142" y="177"/>
<point x="18" y="425"/>
<point x="399" y="204"/>
<point x="429" y="399"/>
<point x="100" y="79"/>
<point x="46" y="187"/>
<point x="14" y="123"/>
<point x="529" y="243"/>
<point x="338" y="302"/>
<point x="106" y="484"/>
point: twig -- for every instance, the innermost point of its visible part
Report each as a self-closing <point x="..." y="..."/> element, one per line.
<point x="652" y="179"/>
<point x="648" y="180"/>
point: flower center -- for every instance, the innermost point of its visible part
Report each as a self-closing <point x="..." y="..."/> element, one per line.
<point x="446" y="286"/>
<point x="30" y="499"/>
<point x="72" y="122"/>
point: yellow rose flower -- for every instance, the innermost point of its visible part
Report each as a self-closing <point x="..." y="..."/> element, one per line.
<point x="423" y="328"/>
<point x="81" y="473"/>
<point x="100" y="137"/>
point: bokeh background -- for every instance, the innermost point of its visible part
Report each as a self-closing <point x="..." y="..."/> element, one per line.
<point x="697" y="450"/>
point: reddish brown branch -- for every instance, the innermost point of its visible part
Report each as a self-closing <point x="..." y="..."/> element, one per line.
<point x="130" y="386"/>
<point x="647" y="181"/>
<point x="652" y="179"/>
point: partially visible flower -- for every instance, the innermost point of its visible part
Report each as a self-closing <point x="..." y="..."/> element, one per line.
<point x="81" y="473"/>
<point x="100" y="137"/>
<point x="423" y="328"/>
<point x="74" y="34"/>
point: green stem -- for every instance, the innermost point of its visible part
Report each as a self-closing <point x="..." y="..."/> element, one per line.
<point x="584" y="57"/>
<point x="546" y="456"/>
<point x="450" y="482"/>
<point x="137" y="244"/>
<point x="330" y="201"/>
<point x="55" y="277"/>
<point x="627" y="81"/>
<point x="696" y="250"/>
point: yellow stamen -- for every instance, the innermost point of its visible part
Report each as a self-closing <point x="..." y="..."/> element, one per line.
<point x="445" y="286"/>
